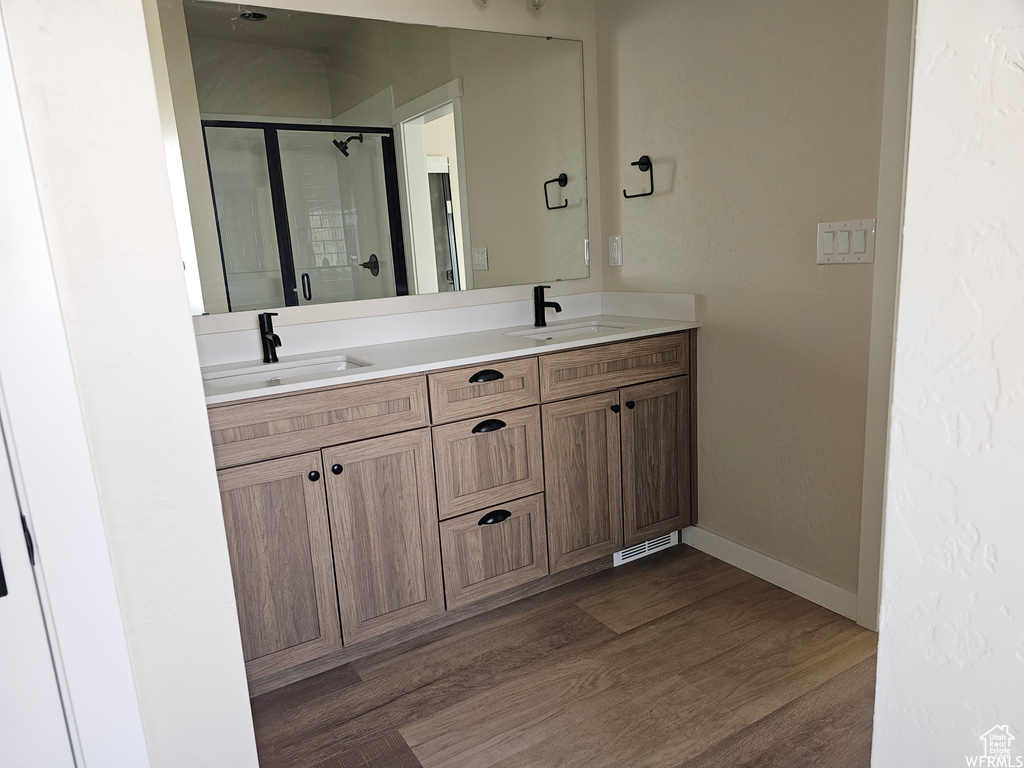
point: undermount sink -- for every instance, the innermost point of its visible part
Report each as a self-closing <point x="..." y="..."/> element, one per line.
<point x="562" y="332"/>
<point x="274" y="374"/>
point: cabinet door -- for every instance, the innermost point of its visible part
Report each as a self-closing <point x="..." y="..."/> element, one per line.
<point x="384" y="528"/>
<point x="275" y="514"/>
<point x="493" y="550"/>
<point x="584" y="481"/>
<point x="486" y="461"/>
<point x="655" y="458"/>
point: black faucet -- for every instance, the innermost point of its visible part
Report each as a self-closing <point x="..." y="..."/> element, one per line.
<point x="270" y="340"/>
<point x="539" y="305"/>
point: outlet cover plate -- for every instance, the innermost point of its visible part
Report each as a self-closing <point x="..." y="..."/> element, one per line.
<point x="615" y="251"/>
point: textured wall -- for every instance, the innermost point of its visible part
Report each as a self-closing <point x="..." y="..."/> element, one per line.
<point x="106" y="203"/>
<point x="951" y="654"/>
<point x="762" y="118"/>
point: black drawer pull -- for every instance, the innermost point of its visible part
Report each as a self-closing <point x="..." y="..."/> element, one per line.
<point x="337" y="469"/>
<point x="490" y="425"/>
<point x="630" y="404"/>
<point x="616" y="408"/>
<point x="314" y="475"/>
<point x="486" y="375"/>
<point x="495" y="517"/>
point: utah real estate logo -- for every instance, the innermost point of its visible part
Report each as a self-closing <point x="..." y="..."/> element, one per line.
<point x="997" y="746"/>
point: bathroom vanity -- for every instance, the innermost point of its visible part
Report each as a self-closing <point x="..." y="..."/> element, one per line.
<point x="366" y="505"/>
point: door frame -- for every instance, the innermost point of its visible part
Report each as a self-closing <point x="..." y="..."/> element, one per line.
<point x="403" y="119"/>
<point x="277" y="192"/>
<point x="73" y="570"/>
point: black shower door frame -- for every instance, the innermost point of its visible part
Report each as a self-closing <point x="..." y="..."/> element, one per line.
<point x="280" y="204"/>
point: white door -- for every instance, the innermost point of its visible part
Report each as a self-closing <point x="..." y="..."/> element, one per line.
<point x="33" y="732"/>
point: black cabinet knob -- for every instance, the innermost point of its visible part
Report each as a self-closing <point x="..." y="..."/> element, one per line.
<point x="337" y="469"/>
<point x="616" y="408"/>
<point x="314" y="475"/>
<point x="630" y="404"/>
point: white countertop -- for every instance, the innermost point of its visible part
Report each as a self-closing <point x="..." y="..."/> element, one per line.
<point x="405" y="357"/>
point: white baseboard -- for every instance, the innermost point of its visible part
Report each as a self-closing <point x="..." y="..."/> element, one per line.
<point x="813" y="588"/>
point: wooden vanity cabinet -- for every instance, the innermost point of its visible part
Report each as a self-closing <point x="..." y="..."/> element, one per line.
<point x="501" y="482"/>
<point x="618" y="469"/>
<point x="387" y="556"/>
<point x="275" y="516"/>
<point x="584" y="479"/>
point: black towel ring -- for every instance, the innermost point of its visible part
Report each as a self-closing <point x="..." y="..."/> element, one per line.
<point x="646" y="166"/>
<point x="561" y="180"/>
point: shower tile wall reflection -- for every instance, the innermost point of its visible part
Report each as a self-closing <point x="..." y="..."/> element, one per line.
<point x="337" y="216"/>
<point x="245" y="215"/>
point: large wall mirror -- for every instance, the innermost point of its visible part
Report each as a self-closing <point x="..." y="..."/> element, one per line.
<point x="354" y="159"/>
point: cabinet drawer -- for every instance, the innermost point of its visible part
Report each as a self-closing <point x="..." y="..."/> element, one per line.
<point x="493" y="550"/>
<point x="598" y="369"/>
<point x="281" y="426"/>
<point x="482" y="462"/>
<point x="480" y="389"/>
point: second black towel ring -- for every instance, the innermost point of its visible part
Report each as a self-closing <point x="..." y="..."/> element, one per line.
<point x="561" y="180"/>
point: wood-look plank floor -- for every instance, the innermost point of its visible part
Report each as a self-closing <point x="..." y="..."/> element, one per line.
<point x="675" y="660"/>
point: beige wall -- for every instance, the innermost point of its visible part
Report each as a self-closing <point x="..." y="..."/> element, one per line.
<point x="413" y="60"/>
<point x="523" y="124"/>
<point x="762" y="118"/>
<point x="244" y="78"/>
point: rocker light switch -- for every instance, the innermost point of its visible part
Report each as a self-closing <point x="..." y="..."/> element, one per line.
<point x="480" y="259"/>
<point x="860" y="241"/>
<point x="846" y="242"/>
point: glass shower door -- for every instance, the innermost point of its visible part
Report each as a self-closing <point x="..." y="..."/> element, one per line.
<point x="338" y="215"/>
<point x="240" y="176"/>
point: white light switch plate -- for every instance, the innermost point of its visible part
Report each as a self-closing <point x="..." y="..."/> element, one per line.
<point x="480" y="259"/>
<point x="847" y="242"/>
<point x="615" y="251"/>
